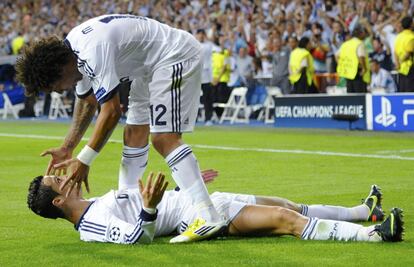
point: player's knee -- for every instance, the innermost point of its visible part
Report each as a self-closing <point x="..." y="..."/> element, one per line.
<point x="136" y="135"/>
<point x="282" y="214"/>
<point x="292" y="206"/>
<point x="165" y="143"/>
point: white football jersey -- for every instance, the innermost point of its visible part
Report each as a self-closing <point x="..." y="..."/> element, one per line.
<point x="118" y="217"/>
<point x="117" y="48"/>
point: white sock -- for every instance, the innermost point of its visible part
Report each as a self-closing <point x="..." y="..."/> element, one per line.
<point x="319" y="229"/>
<point x="357" y="213"/>
<point x="186" y="173"/>
<point x="132" y="167"/>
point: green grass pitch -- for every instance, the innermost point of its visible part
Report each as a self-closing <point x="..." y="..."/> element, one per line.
<point x="28" y="240"/>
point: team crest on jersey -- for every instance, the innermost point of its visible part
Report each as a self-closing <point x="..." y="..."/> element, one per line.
<point x="115" y="233"/>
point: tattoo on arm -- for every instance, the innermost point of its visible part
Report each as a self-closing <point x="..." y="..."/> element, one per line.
<point x="82" y="117"/>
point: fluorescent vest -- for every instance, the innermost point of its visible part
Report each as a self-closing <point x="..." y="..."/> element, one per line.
<point x="296" y="57"/>
<point x="401" y="42"/>
<point x="218" y="60"/>
<point x="348" y="61"/>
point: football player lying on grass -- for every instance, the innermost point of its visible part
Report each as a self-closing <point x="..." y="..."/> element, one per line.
<point x="137" y="215"/>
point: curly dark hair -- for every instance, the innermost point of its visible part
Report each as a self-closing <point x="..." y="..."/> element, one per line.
<point x="41" y="64"/>
<point x="40" y="199"/>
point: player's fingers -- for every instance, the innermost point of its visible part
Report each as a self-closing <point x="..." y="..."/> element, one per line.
<point x="71" y="186"/>
<point x="149" y="180"/>
<point x="86" y="181"/>
<point x="164" y="188"/>
<point x="46" y="152"/>
<point x="141" y="186"/>
<point x="61" y="165"/>
<point x="160" y="179"/>
<point x="65" y="183"/>
<point x="49" y="168"/>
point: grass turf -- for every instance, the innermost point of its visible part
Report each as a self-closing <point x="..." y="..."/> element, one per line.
<point x="30" y="240"/>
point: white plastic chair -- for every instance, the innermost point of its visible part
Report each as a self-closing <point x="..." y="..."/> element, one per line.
<point x="57" y="107"/>
<point x="235" y="106"/>
<point x="269" y="104"/>
<point x="9" y="108"/>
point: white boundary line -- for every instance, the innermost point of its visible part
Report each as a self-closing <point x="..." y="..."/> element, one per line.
<point x="268" y="150"/>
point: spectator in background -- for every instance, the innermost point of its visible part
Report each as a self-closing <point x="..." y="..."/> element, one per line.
<point x="353" y="64"/>
<point x="244" y="68"/>
<point x="336" y="39"/>
<point x="381" y="78"/>
<point x="292" y="42"/>
<point x="221" y="72"/>
<point x="320" y="48"/>
<point x="206" y="75"/>
<point x="404" y="49"/>
<point x="381" y="54"/>
<point x="301" y="68"/>
<point x="280" y="61"/>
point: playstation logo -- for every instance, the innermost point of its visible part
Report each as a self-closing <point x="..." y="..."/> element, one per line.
<point x="385" y="118"/>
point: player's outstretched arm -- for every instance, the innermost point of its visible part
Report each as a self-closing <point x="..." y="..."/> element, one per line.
<point x="82" y="117"/>
<point x="105" y="124"/>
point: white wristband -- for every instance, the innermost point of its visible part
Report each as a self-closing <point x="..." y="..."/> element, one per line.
<point x="149" y="210"/>
<point x="87" y="155"/>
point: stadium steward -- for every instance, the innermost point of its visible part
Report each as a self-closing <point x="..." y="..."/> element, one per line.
<point x="404" y="53"/>
<point x="353" y="63"/>
<point x="301" y="68"/>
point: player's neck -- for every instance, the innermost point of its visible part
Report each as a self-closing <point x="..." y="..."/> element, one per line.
<point x="77" y="209"/>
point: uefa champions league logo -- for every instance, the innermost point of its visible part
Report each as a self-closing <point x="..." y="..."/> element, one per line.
<point x="385" y="118"/>
<point x="115" y="233"/>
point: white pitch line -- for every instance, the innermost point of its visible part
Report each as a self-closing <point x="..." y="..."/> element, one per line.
<point x="268" y="150"/>
<point x="395" y="151"/>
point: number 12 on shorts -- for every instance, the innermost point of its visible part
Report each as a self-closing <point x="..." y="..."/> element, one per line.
<point x="158" y="112"/>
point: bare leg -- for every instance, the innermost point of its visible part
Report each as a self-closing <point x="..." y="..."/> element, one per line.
<point x="258" y="219"/>
<point x="278" y="202"/>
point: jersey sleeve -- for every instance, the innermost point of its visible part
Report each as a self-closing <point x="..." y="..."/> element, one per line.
<point x="119" y="231"/>
<point x="84" y="87"/>
<point x="99" y="63"/>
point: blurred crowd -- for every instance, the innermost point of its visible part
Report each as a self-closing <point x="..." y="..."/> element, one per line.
<point x="256" y="37"/>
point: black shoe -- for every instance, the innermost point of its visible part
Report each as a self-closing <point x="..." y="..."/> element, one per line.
<point x="373" y="201"/>
<point x="391" y="230"/>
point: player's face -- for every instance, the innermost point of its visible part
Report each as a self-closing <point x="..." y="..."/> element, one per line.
<point x="70" y="77"/>
<point x="55" y="182"/>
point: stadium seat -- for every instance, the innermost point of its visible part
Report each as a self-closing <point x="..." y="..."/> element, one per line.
<point x="269" y="104"/>
<point x="236" y="109"/>
<point x="9" y="108"/>
<point x="57" y="107"/>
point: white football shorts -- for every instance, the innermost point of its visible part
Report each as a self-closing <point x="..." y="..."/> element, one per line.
<point x="168" y="101"/>
<point x="176" y="212"/>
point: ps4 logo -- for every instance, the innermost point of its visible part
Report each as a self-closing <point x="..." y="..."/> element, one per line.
<point x="408" y="112"/>
<point x="385" y="118"/>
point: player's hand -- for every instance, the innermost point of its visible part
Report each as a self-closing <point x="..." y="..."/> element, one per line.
<point x="59" y="155"/>
<point x="78" y="174"/>
<point x="152" y="192"/>
<point x="209" y="175"/>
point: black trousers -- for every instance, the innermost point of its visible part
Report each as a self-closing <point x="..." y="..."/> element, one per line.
<point x="302" y="86"/>
<point x="222" y="94"/>
<point x="357" y="85"/>
<point x="406" y="83"/>
<point x="208" y="99"/>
